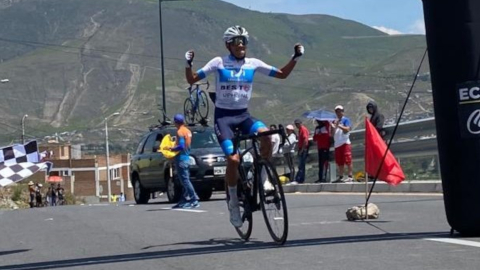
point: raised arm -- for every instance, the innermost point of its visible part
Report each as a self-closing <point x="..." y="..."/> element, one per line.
<point x="287" y="69"/>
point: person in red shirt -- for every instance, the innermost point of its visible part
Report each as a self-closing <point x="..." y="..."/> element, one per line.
<point x="302" y="151"/>
<point x="322" y="138"/>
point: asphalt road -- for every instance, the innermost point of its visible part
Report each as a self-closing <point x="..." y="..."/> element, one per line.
<point x="411" y="233"/>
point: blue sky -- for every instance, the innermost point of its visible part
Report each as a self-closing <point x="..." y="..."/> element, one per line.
<point x="391" y="16"/>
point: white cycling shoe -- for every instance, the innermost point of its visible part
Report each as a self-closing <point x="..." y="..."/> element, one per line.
<point x="235" y="217"/>
<point x="267" y="185"/>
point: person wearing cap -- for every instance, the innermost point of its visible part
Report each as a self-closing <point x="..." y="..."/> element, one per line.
<point x="322" y="138"/>
<point x="289" y="149"/>
<point x="302" y="146"/>
<point x="189" y="197"/>
<point x="31" y="191"/>
<point x="340" y="130"/>
<point x="233" y="90"/>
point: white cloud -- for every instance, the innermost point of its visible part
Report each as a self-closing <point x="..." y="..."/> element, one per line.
<point x="388" y="30"/>
<point x="418" y="27"/>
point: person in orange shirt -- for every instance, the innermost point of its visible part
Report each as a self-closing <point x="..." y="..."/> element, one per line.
<point x="182" y="163"/>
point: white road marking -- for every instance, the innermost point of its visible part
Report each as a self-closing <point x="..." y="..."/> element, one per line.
<point x="185" y="210"/>
<point x="99" y="204"/>
<point x="316" y="223"/>
<point x="455" y="241"/>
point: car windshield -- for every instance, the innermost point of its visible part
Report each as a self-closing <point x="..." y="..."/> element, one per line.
<point x="204" y="139"/>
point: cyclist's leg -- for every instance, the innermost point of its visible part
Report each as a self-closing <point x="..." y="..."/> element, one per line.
<point x="225" y="122"/>
<point x="224" y="132"/>
<point x="252" y="125"/>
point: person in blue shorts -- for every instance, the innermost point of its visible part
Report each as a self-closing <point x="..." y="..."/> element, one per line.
<point x="234" y="80"/>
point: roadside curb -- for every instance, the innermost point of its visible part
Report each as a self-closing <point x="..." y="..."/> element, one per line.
<point x="406" y="187"/>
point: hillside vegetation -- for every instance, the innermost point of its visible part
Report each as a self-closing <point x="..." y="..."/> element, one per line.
<point x="71" y="63"/>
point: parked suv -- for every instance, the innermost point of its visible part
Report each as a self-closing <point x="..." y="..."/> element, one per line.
<point x="151" y="171"/>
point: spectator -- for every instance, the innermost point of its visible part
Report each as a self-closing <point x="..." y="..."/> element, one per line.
<point x="275" y="141"/>
<point x="113" y="197"/>
<point x="377" y="119"/>
<point x="31" y="191"/>
<point x="182" y="163"/>
<point x="38" y="195"/>
<point x="53" y="195"/>
<point x="322" y="138"/>
<point x="48" y="196"/>
<point x="289" y="150"/>
<point x="302" y="151"/>
<point x="343" y="149"/>
<point x="122" y="197"/>
<point x="60" y="194"/>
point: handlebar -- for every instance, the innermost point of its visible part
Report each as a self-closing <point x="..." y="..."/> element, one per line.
<point x="197" y="84"/>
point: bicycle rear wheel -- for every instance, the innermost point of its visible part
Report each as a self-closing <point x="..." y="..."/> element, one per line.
<point x="272" y="202"/>
<point x="188" y="111"/>
<point x="203" y="105"/>
<point x="244" y="198"/>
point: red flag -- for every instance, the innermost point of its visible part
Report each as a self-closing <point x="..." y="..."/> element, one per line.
<point x="375" y="148"/>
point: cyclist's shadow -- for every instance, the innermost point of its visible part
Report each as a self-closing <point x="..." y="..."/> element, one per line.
<point x="212" y="242"/>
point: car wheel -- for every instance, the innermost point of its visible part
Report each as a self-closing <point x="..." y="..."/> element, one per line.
<point x="205" y="194"/>
<point x="141" y="194"/>
<point x="174" y="190"/>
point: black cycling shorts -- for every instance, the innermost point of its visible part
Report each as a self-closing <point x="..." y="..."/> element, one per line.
<point x="226" y="121"/>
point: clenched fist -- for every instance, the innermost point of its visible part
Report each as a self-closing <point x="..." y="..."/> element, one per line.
<point x="299" y="50"/>
<point x="189" y="57"/>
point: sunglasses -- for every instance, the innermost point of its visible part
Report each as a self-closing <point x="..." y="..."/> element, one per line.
<point x="237" y="40"/>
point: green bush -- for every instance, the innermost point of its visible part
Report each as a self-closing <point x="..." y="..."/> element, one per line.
<point x="17" y="193"/>
<point x="70" y="198"/>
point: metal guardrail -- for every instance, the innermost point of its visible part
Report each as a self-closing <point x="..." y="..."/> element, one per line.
<point x="413" y="139"/>
<point x="406" y="130"/>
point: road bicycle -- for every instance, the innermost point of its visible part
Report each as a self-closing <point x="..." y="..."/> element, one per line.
<point x="258" y="188"/>
<point x="196" y="105"/>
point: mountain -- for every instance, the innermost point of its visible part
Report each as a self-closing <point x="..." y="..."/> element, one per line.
<point x="71" y="63"/>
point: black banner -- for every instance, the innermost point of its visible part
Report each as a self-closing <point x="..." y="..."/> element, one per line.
<point x="453" y="41"/>
<point x="468" y="95"/>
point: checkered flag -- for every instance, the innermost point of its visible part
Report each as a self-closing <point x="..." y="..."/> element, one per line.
<point x="18" y="153"/>
<point x="17" y="172"/>
<point x="19" y="161"/>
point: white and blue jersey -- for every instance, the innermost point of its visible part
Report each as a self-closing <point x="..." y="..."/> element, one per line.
<point x="234" y="79"/>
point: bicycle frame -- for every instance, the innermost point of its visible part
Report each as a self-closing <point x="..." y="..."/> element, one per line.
<point x="194" y="99"/>
<point x="253" y="199"/>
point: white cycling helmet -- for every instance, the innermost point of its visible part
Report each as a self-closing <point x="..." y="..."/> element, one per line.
<point x="235" y="31"/>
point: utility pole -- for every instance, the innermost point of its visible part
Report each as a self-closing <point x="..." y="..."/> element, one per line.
<point x="162" y="61"/>
<point x="23" y="128"/>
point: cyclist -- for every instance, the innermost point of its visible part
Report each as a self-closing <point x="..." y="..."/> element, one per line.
<point x="234" y="80"/>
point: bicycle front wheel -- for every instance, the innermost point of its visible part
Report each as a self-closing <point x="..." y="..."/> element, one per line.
<point x="188" y="111"/>
<point x="272" y="202"/>
<point x="203" y="105"/>
<point x="244" y="197"/>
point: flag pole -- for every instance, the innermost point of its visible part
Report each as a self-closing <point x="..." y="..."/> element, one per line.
<point x="366" y="175"/>
<point x="366" y="194"/>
